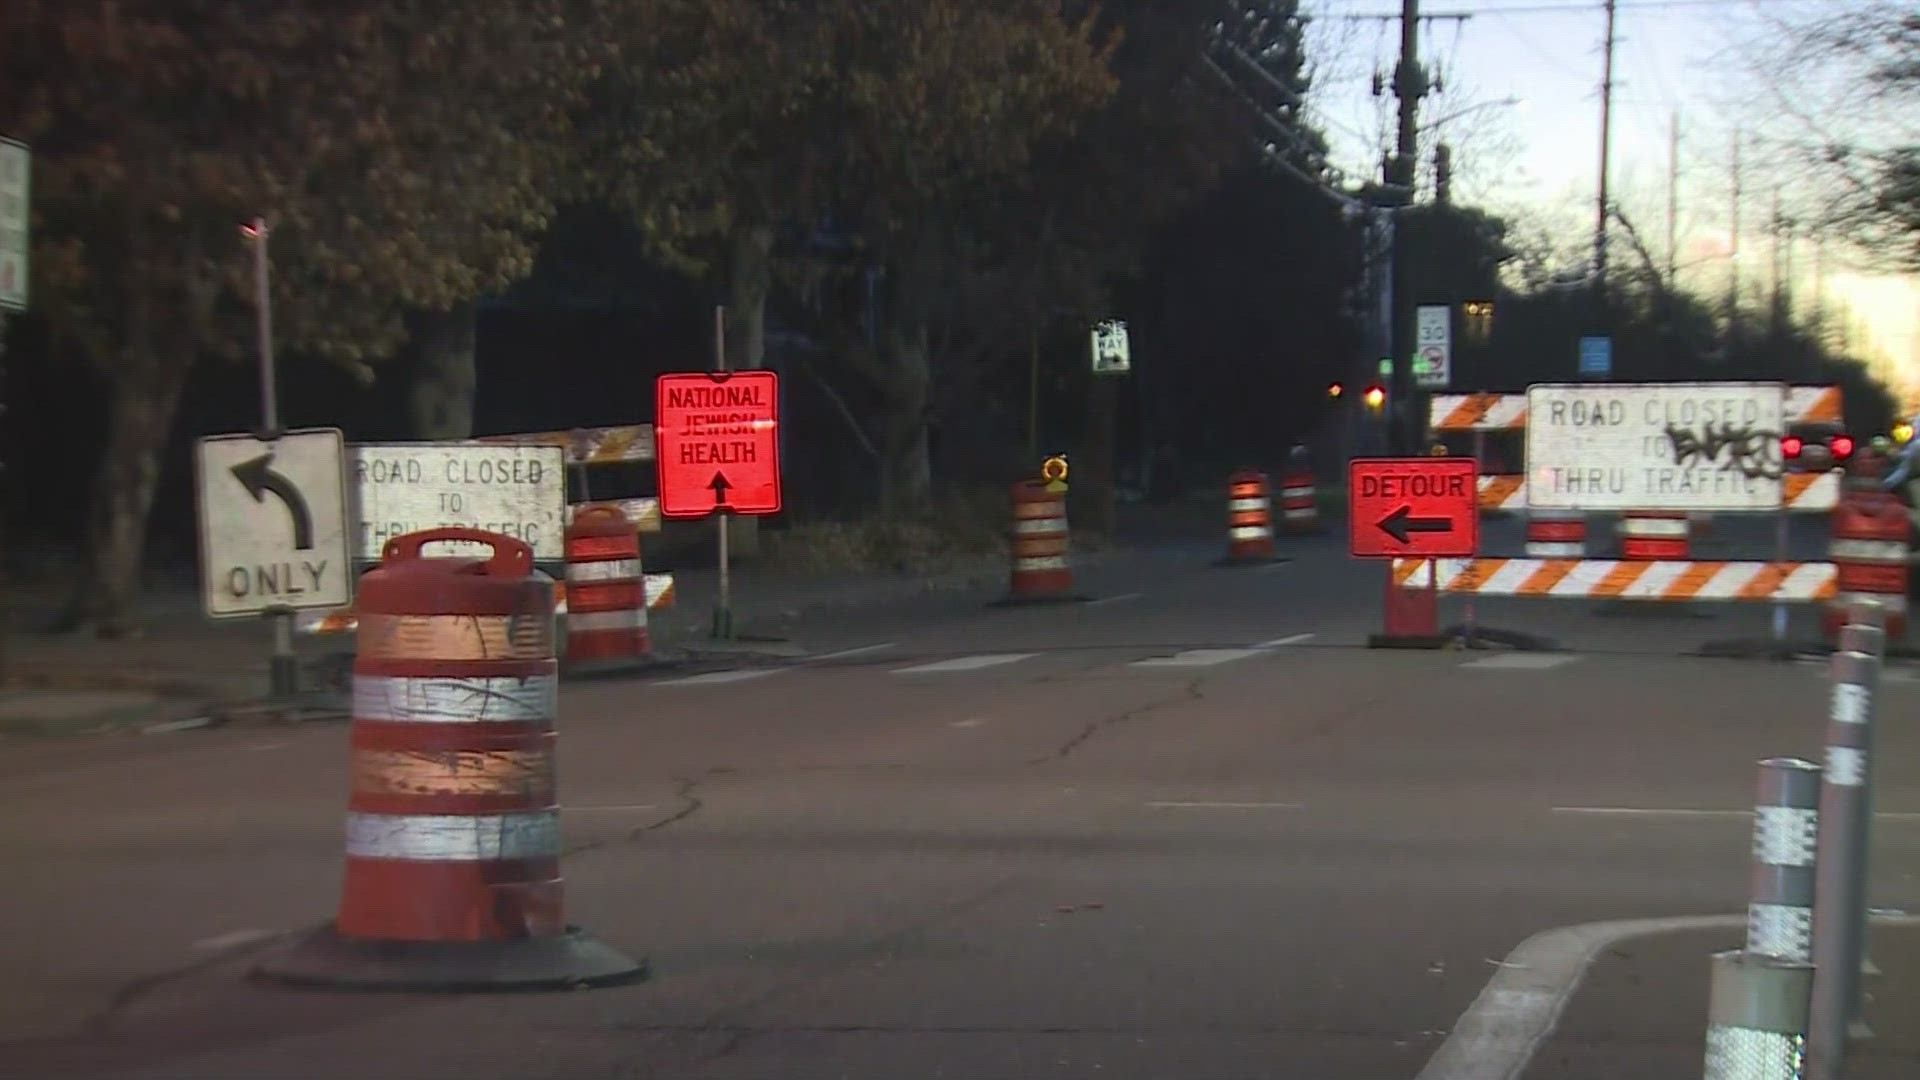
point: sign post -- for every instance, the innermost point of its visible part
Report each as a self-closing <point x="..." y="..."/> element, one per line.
<point x="16" y="228"/>
<point x="717" y="451"/>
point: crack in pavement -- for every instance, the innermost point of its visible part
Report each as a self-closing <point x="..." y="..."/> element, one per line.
<point x="1190" y="693"/>
<point x="690" y="804"/>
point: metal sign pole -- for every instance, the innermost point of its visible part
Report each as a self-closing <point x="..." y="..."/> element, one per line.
<point x="1780" y="556"/>
<point x="723" y="605"/>
<point x="283" y="670"/>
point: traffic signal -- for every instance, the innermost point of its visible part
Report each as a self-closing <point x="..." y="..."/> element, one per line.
<point x="1334" y="390"/>
<point x="1842" y="447"/>
<point x="1376" y="396"/>
<point x="1791" y="446"/>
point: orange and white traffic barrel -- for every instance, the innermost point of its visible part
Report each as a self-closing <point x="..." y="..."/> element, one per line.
<point x="1556" y="534"/>
<point x="1040" y="567"/>
<point x="1299" y="502"/>
<point x="453" y="821"/>
<point x="1249" y="518"/>
<point x="606" y="588"/>
<point x="1869" y="548"/>
<point x="1655" y="535"/>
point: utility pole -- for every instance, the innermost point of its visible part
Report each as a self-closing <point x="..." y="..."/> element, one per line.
<point x="1409" y="86"/>
<point x="1673" y="201"/>
<point x="1606" y="148"/>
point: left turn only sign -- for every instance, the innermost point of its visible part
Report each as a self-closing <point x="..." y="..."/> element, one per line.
<point x="273" y="522"/>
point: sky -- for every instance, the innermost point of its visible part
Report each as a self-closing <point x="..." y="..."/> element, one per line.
<point x="1519" y="102"/>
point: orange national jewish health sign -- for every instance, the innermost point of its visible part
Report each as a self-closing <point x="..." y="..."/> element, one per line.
<point x="717" y="443"/>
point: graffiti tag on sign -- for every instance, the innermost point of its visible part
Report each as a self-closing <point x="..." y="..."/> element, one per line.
<point x="1671" y="446"/>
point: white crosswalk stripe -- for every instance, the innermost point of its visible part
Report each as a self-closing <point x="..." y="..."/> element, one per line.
<point x="965" y="663"/>
<point x="1197" y="658"/>
<point x="1520" y="662"/>
<point x="713" y="678"/>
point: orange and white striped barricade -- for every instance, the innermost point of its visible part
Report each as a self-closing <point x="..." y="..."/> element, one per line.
<point x="1041" y="571"/>
<point x="453" y="822"/>
<point x="1625" y="579"/>
<point x="1556" y="534"/>
<point x="1869" y="545"/>
<point x="1249" y="519"/>
<point x="1648" y="534"/>
<point x="606" y="591"/>
<point x="1299" y="499"/>
<point x="1508" y="412"/>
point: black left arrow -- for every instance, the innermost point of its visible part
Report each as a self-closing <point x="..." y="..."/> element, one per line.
<point x="719" y="485"/>
<point x="1399" y="525"/>
<point x="259" y="478"/>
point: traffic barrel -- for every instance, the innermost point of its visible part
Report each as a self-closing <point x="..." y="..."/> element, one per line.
<point x="1869" y="548"/>
<point x="1040" y="568"/>
<point x="1299" y="502"/>
<point x="606" y="589"/>
<point x="453" y="821"/>
<point x="1249" y="518"/>
<point x="1556" y="534"/>
<point x="1654" y="535"/>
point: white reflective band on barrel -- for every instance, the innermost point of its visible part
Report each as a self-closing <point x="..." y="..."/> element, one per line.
<point x="1541" y="550"/>
<point x="1249" y="532"/>
<point x="610" y="570"/>
<point x="1039" y="526"/>
<point x="533" y="834"/>
<point x="1296" y="493"/>
<point x="589" y="621"/>
<point x="1052" y="562"/>
<point x="1242" y="505"/>
<point x="419" y="699"/>
<point x="1297" y="513"/>
<point x="1874" y="551"/>
<point x="1846" y="766"/>
<point x="1746" y="1054"/>
<point x="1784" y="835"/>
<point x="1781" y="930"/>
<point x="1649" y="527"/>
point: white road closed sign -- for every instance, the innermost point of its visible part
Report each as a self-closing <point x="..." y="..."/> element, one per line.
<point x="1655" y="446"/>
<point x="273" y="519"/>
<point x="399" y="488"/>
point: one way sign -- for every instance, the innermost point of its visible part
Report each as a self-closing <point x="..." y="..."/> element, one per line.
<point x="1412" y="506"/>
<point x="273" y="523"/>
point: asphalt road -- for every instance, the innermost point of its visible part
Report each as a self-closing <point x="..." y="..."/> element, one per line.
<point x="1189" y="830"/>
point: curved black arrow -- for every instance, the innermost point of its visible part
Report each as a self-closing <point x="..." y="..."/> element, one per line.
<point x="1398" y="525"/>
<point x="259" y="478"/>
<point x="719" y="485"/>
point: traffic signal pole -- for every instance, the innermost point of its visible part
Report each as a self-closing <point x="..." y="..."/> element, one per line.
<point x="1409" y="85"/>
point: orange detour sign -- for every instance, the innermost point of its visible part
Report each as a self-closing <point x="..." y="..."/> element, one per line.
<point x="717" y="442"/>
<point x="1412" y="506"/>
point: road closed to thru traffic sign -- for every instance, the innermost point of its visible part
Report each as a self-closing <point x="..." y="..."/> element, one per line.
<point x="517" y="491"/>
<point x="1398" y="506"/>
<point x="1655" y="446"/>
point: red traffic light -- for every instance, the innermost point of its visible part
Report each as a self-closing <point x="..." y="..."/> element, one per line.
<point x="1334" y="390"/>
<point x="1842" y="447"/>
<point x="1791" y="446"/>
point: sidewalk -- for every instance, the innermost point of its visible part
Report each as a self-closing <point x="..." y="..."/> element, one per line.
<point x="1641" y="1011"/>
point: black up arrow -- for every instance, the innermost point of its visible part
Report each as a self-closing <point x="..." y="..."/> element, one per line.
<point x="1398" y="525"/>
<point x="719" y="485"/>
<point x="259" y="478"/>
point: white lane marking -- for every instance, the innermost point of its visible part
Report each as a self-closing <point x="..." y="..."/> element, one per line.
<point x="234" y="939"/>
<point x="966" y="723"/>
<point x="1266" y="568"/>
<point x="731" y="675"/>
<point x="844" y="653"/>
<point x="1519" y="662"/>
<point x="1122" y="598"/>
<point x="1496" y="1036"/>
<point x="1283" y="642"/>
<point x="1198" y="658"/>
<point x="965" y="663"/>
<point x="1682" y="811"/>
<point x="1170" y="805"/>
